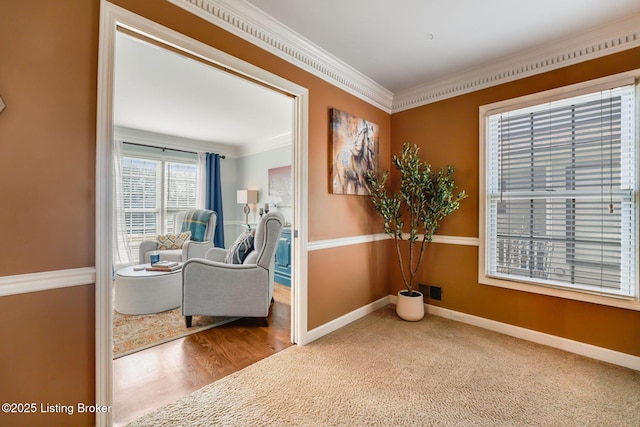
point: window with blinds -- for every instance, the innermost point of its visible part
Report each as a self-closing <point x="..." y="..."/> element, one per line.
<point x="180" y="190"/>
<point x="154" y="189"/>
<point x="140" y="179"/>
<point x="560" y="189"/>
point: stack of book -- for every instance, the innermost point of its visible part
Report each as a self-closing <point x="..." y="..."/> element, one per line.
<point x="164" y="266"/>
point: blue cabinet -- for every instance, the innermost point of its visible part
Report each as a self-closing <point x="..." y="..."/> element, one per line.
<point x="283" y="258"/>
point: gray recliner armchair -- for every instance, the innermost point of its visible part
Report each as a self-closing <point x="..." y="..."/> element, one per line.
<point x="212" y="287"/>
<point x="191" y="248"/>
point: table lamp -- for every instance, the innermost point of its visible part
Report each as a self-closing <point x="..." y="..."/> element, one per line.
<point x="245" y="197"/>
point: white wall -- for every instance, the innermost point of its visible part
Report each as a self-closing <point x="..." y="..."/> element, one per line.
<point x="253" y="173"/>
<point x="229" y="178"/>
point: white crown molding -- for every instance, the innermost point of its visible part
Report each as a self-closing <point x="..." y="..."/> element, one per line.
<point x="253" y="25"/>
<point x="250" y="23"/>
<point x="180" y="143"/>
<point x="169" y="141"/>
<point x="36" y="282"/>
<point x="279" y="141"/>
<point x="605" y="40"/>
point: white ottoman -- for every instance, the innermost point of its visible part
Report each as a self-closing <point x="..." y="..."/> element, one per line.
<point x="145" y="292"/>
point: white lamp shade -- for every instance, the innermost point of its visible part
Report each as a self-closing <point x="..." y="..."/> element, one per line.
<point x="247" y="196"/>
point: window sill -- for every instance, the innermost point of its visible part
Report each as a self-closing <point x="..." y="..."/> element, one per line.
<point x="612" y="301"/>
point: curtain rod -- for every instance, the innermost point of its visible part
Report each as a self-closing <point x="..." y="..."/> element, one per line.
<point x="165" y="148"/>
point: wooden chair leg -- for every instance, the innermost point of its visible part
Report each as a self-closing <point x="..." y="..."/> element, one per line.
<point x="188" y="321"/>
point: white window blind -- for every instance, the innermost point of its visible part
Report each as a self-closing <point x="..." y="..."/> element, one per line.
<point x="180" y="190"/>
<point x="154" y="188"/>
<point x="560" y="182"/>
<point x="140" y="180"/>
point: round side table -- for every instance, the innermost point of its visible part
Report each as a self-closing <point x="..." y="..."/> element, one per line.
<point x="146" y="292"/>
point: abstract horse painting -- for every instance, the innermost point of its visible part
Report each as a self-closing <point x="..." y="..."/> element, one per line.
<point x="355" y="152"/>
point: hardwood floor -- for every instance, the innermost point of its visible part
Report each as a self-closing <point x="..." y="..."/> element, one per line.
<point x="155" y="377"/>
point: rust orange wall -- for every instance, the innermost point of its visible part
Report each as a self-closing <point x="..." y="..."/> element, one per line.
<point x="48" y="69"/>
<point x="48" y="355"/>
<point x="48" y="79"/>
<point x="48" y="63"/>
<point x="447" y="133"/>
<point x="346" y="279"/>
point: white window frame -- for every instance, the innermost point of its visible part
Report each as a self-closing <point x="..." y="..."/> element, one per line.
<point x="527" y="101"/>
<point x="163" y="212"/>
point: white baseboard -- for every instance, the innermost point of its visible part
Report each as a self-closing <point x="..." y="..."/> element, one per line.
<point x="338" y="323"/>
<point x="34" y="282"/>
<point x="588" y="350"/>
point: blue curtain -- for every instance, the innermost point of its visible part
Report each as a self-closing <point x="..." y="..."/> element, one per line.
<point x="213" y="199"/>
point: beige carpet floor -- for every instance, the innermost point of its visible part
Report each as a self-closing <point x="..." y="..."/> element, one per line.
<point x="381" y="371"/>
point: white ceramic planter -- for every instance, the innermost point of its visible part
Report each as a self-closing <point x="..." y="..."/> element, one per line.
<point x="410" y="308"/>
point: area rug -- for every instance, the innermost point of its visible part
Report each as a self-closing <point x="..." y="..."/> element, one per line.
<point x="132" y="333"/>
<point x="381" y="371"/>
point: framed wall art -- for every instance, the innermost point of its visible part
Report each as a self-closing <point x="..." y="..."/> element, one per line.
<point x="354" y="152"/>
<point x="280" y="186"/>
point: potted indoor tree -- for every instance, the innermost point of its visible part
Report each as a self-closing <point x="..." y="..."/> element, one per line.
<point x="414" y="213"/>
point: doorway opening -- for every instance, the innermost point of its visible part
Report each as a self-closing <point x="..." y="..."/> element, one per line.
<point x="114" y="19"/>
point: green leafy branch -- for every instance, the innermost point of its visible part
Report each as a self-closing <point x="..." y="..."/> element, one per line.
<point x="427" y="197"/>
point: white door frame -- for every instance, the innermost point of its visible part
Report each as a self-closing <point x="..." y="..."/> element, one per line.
<point x="111" y="18"/>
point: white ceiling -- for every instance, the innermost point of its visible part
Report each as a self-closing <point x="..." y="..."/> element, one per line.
<point x="160" y="91"/>
<point x="390" y="41"/>
<point x="398" y="45"/>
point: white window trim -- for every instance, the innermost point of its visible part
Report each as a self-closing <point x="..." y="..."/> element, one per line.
<point x="521" y="102"/>
<point x="161" y="208"/>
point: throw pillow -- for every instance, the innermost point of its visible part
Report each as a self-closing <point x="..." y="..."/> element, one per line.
<point x="240" y="248"/>
<point x="196" y="221"/>
<point x="172" y="240"/>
